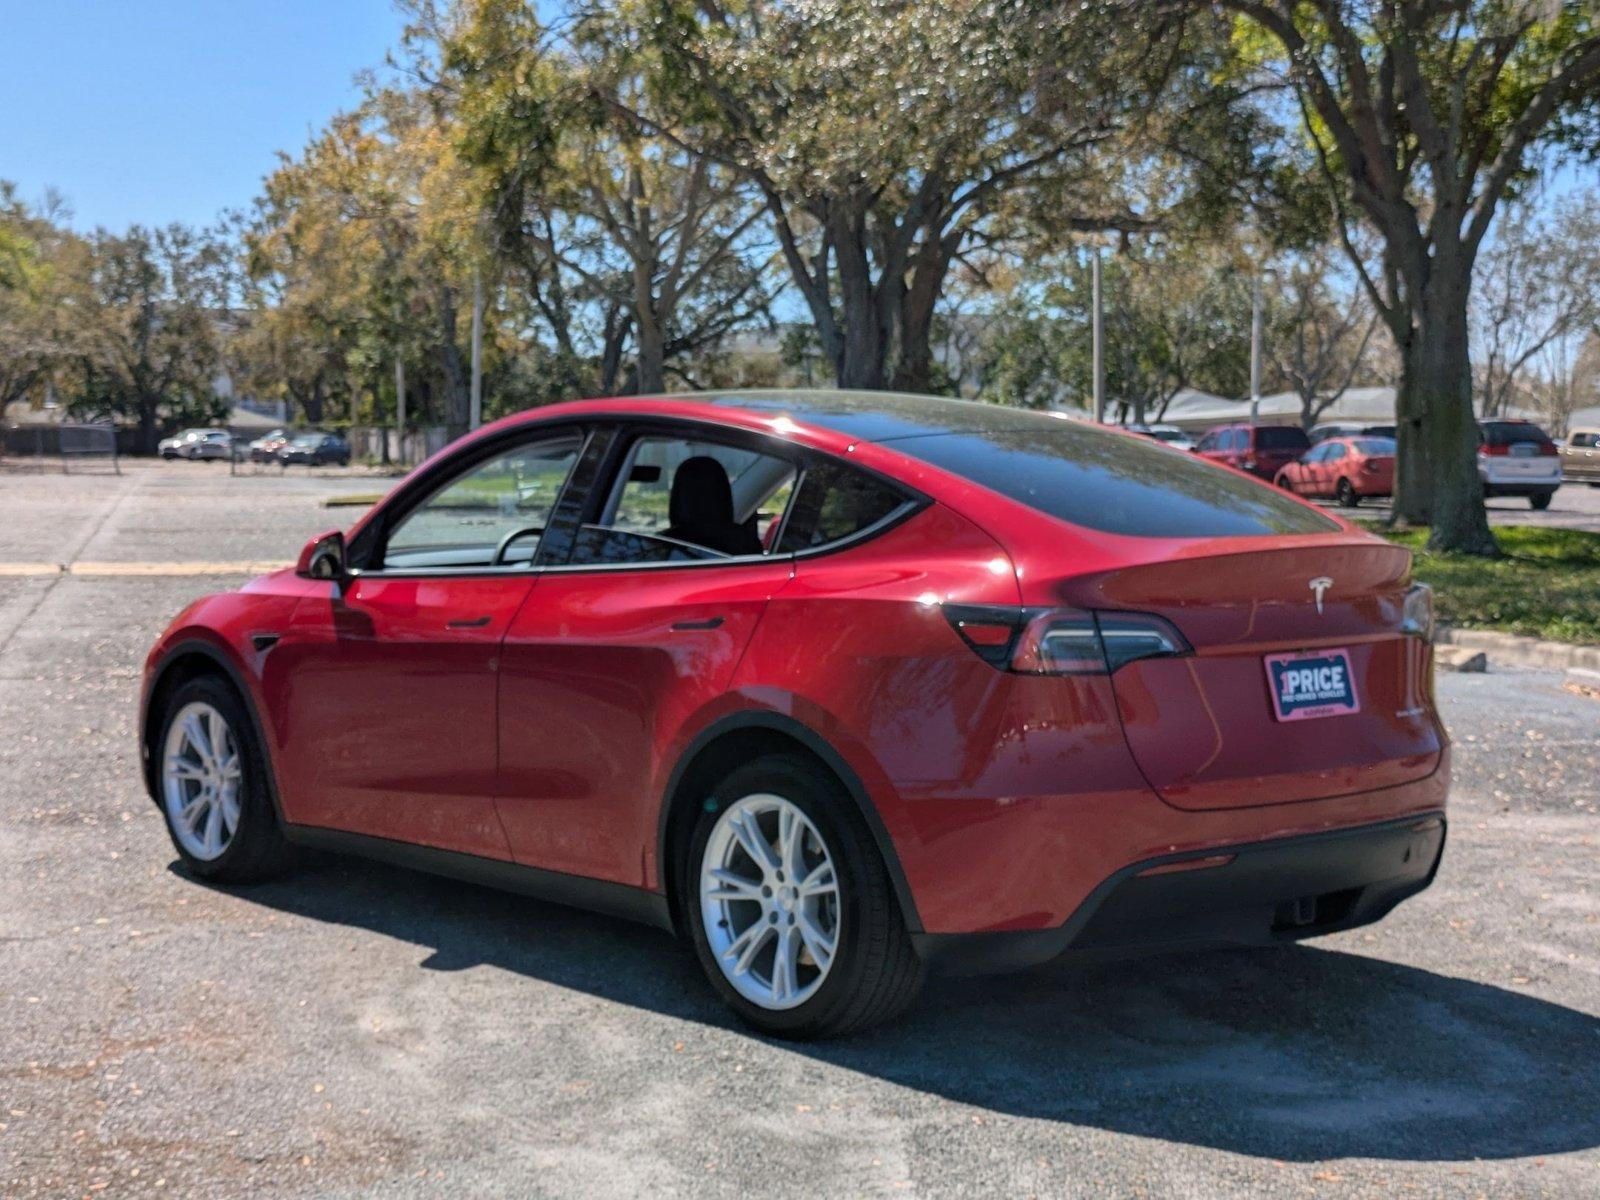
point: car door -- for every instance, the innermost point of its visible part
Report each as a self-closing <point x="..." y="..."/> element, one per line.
<point x="388" y="685"/>
<point x="1332" y="468"/>
<point x="637" y="631"/>
<point x="1301" y="475"/>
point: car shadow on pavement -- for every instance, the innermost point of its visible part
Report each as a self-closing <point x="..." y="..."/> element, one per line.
<point x="1297" y="1053"/>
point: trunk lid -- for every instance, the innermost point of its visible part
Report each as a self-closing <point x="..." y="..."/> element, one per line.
<point x="1205" y="728"/>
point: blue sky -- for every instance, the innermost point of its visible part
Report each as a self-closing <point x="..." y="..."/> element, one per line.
<point x="150" y="111"/>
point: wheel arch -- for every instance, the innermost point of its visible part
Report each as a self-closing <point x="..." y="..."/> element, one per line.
<point x="185" y="660"/>
<point x="737" y="738"/>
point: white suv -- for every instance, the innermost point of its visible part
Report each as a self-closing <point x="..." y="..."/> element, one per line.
<point x="1517" y="458"/>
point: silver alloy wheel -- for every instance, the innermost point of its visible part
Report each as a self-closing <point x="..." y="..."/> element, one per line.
<point x="769" y="897"/>
<point x="201" y="778"/>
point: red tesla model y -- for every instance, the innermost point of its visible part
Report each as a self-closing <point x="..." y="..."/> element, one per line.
<point x="839" y="687"/>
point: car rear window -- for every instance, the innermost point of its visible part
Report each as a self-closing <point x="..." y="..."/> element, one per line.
<point x="1281" y="437"/>
<point x="1114" y="483"/>
<point x="1497" y="433"/>
<point x="1375" y="445"/>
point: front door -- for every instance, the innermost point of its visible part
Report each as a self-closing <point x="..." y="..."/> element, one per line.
<point x="389" y="685"/>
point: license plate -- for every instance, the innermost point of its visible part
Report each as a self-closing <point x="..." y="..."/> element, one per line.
<point x="1524" y="450"/>
<point x="1318" y="683"/>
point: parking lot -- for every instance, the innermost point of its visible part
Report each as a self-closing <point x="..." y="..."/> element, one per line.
<point x="358" y="1030"/>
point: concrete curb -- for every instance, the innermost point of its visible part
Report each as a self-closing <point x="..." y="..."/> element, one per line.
<point x="1516" y="651"/>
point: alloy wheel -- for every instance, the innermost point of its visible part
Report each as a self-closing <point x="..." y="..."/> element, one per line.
<point x="769" y="898"/>
<point x="201" y="780"/>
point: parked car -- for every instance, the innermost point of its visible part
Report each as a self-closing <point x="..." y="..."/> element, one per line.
<point x="1169" y="434"/>
<point x="1332" y="429"/>
<point x="197" y="444"/>
<point x="316" y="449"/>
<point x="994" y="687"/>
<point x="266" y="447"/>
<point x="1580" y="457"/>
<point x="1517" y="458"/>
<point x="1347" y="469"/>
<point x="1259" y="449"/>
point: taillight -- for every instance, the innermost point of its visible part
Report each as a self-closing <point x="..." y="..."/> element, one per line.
<point x="1062" y="641"/>
<point x="1494" y="451"/>
<point x="1548" y="450"/>
<point x="1416" y="615"/>
<point x="1370" y="464"/>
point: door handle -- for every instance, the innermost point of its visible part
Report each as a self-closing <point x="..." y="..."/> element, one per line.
<point x="469" y="623"/>
<point x="708" y="623"/>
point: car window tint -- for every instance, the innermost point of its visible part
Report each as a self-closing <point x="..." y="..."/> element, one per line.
<point x="679" y="499"/>
<point x="1101" y="480"/>
<point x="1335" y="452"/>
<point x="1281" y="437"/>
<point x="836" y="502"/>
<point x="1375" y="445"/>
<point x="1511" y="433"/>
<point x="463" y="523"/>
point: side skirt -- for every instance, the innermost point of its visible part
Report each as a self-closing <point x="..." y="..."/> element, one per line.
<point x="575" y="891"/>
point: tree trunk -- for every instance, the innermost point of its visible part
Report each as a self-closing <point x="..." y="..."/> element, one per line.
<point x="913" y="370"/>
<point x="1413" y="481"/>
<point x="864" y="344"/>
<point x="148" y="434"/>
<point x="457" y="398"/>
<point x="1442" y="383"/>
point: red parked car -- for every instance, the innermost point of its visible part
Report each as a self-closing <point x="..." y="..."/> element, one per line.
<point x="1346" y="468"/>
<point x="1257" y="449"/>
<point x="840" y="687"/>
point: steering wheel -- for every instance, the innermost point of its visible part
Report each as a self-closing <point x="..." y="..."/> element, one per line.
<point x="516" y="535"/>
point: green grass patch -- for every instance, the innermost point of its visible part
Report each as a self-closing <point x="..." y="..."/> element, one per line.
<point x="1547" y="585"/>
<point x="353" y="500"/>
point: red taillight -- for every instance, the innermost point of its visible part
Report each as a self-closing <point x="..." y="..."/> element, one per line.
<point x="1548" y="450"/>
<point x="1062" y="641"/>
<point x="1494" y="451"/>
<point x="1371" y="464"/>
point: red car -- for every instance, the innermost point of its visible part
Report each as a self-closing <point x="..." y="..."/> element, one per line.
<point x="1346" y="469"/>
<point x="1256" y="449"/>
<point x="840" y="687"/>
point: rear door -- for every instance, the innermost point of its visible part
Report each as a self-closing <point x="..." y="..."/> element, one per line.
<point x="627" y="638"/>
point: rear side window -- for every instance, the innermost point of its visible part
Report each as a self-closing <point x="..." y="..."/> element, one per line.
<point x="835" y="502"/>
<point x="1497" y="433"/>
<point x="1281" y="437"/>
<point x="1375" y="445"/>
<point x="1102" y="480"/>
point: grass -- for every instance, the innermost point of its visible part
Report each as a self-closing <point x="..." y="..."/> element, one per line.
<point x="1547" y="585"/>
<point x="354" y="500"/>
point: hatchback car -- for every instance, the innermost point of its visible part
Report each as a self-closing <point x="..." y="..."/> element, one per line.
<point x="1346" y="469"/>
<point x="315" y="450"/>
<point x="1260" y="450"/>
<point x="197" y="444"/>
<point x="1517" y="458"/>
<point x="1580" y="457"/>
<point x="841" y="687"/>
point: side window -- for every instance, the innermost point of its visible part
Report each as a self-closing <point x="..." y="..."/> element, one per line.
<point x="491" y="515"/>
<point x="1316" y="455"/>
<point x="1336" y="452"/>
<point x="682" y="500"/>
<point x="1209" y="442"/>
<point x="835" y="502"/>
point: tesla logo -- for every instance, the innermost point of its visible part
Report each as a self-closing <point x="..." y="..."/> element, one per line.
<point x="1319" y="587"/>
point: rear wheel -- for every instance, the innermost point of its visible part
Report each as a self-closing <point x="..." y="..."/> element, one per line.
<point x="1346" y="494"/>
<point x="790" y="906"/>
<point x="1540" y="502"/>
<point x="213" y="786"/>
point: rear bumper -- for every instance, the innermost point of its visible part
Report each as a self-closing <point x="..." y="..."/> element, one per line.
<point x="1254" y="894"/>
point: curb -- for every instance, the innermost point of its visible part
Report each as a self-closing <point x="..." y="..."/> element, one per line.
<point x="1517" y="651"/>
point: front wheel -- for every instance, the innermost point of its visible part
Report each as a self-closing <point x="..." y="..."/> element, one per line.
<point x="213" y="786"/>
<point x="790" y="905"/>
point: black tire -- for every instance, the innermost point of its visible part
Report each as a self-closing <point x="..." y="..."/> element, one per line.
<point x="1346" y="494"/>
<point x="877" y="972"/>
<point x="258" y="849"/>
<point x="1540" y="502"/>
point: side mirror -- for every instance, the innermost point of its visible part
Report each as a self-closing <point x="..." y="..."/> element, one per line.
<point x="323" y="558"/>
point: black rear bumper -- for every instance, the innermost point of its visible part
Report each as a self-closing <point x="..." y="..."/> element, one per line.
<point x="1255" y="894"/>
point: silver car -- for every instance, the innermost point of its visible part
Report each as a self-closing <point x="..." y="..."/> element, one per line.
<point x="1580" y="456"/>
<point x="197" y="443"/>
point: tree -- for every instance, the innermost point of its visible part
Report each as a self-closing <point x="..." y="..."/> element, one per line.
<point x="884" y="136"/>
<point x="1319" y="331"/>
<point x="43" y="271"/>
<point x="1537" y="285"/>
<point x="1423" y="116"/>
<point x="151" y="343"/>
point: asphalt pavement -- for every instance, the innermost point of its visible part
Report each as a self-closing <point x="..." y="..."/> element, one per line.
<point x="359" y="1030"/>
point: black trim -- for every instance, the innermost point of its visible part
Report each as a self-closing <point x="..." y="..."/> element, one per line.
<point x="575" y="891"/>
<point x="814" y="742"/>
<point x="1356" y="875"/>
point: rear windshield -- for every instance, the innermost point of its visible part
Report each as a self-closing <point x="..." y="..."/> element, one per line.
<point x="1507" y="434"/>
<point x="1281" y="437"/>
<point x="1374" y="445"/>
<point x="1116" y="484"/>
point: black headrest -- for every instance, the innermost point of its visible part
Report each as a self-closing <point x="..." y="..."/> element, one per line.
<point x="701" y="494"/>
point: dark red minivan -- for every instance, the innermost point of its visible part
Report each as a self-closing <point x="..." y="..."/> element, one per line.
<point x="840" y="687"/>
<point x="1261" y="450"/>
